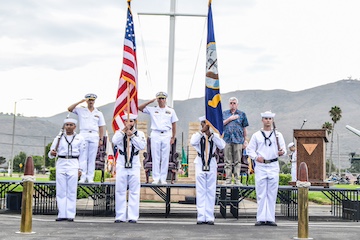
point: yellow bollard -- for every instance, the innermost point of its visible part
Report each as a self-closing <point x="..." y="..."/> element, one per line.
<point x="303" y="202"/>
<point x="27" y="197"/>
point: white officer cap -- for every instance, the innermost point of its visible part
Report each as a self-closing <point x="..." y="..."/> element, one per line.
<point x="267" y="114"/>
<point x="90" y="96"/>
<point x="202" y="118"/>
<point x="70" y="120"/>
<point x="161" y="95"/>
<point x="291" y="145"/>
<point x="131" y="116"/>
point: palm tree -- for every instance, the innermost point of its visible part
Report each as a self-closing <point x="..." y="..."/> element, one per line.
<point x="328" y="126"/>
<point x="335" y="114"/>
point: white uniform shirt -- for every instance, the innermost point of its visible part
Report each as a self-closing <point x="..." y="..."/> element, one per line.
<point x="77" y="148"/>
<point x="195" y="142"/>
<point x="89" y="121"/>
<point x="258" y="147"/>
<point x="138" y="141"/>
<point x="161" y="118"/>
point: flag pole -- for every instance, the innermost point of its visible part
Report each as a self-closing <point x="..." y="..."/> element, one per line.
<point x="128" y="115"/>
<point x="128" y="121"/>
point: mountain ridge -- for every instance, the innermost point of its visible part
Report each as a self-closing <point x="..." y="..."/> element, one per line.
<point x="291" y="108"/>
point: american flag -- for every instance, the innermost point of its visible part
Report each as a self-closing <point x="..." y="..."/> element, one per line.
<point x="126" y="98"/>
<point x="213" y="110"/>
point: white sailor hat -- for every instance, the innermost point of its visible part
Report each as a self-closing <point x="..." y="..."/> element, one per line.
<point x="70" y="120"/>
<point x="90" y="96"/>
<point x="267" y="114"/>
<point x="161" y="95"/>
<point x="131" y="116"/>
<point x="202" y="118"/>
<point x="291" y="145"/>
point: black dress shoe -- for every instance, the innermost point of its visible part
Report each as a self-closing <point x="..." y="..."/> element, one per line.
<point x="118" y="221"/>
<point x="70" y="219"/>
<point x="260" y="223"/>
<point x="61" y="219"/>
<point x="270" y="223"/>
<point x="132" y="221"/>
<point x="200" y="222"/>
<point x="210" y="223"/>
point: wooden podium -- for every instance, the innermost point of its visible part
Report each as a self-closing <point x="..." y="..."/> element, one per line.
<point x="310" y="146"/>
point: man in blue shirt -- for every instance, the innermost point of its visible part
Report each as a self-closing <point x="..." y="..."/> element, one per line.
<point x="235" y="123"/>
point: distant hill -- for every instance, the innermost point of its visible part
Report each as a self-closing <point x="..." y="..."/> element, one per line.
<point x="291" y="109"/>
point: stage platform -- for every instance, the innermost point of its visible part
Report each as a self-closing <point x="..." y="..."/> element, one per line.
<point x="344" y="202"/>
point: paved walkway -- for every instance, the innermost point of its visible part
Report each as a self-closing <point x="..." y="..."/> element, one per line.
<point x="179" y="225"/>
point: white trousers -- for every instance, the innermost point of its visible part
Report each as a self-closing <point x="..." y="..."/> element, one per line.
<point x="66" y="192"/>
<point x="205" y="191"/>
<point x="127" y="177"/>
<point x="266" y="187"/>
<point x="160" y="151"/>
<point x="88" y="164"/>
<point x="293" y="172"/>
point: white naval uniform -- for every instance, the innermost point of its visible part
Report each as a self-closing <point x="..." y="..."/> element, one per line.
<point x="206" y="180"/>
<point x="293" y="159"/>
<point x="161" y="126"/>
<point x="266" y="174"/>
<point x="67" y="172"/>
<point x="89" y="128"/>
<point x="128" y="177"/>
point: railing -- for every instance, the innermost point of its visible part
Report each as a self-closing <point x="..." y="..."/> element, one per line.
<point x="344" y="202"/>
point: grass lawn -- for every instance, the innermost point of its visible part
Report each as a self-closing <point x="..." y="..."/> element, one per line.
<point x="16" y="177"/>
<point x="320" y="198"/>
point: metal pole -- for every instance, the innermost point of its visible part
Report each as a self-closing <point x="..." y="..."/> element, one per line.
<point x="172" y="15"/>
<point x="44" y="153"/>
<point x="13" y="138"/>
<point x="12" y="143"/>
<point x="338" y="153"/>
<point x="171" y="55"/>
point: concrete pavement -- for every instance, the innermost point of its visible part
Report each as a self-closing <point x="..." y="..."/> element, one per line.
<point x="181" y="224"/>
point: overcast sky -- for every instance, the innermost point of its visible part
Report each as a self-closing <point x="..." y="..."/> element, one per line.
<point x="56" y="51"/>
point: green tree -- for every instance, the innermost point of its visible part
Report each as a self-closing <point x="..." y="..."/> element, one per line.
<point x="48" y="161"/>
<point x="335" y="114"/>
<point x="38" y="162"/>
<point x="2" y="160"/>
<point x="328" y="126"/>
<point x="21" y="158"/>
<point x="355" y="162"/>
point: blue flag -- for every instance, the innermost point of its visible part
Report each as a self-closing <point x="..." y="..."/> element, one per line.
<point x="213" y="110"/>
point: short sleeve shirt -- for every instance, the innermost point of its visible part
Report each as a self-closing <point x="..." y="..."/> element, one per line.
<point x="234" y="130"/>
<point x="89" y="121"/>
<point x="161" y="118"/>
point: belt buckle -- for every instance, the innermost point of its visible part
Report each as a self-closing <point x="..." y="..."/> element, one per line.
<point x="128" y="165"/>
<point x="206" y="168"/>
<point x="267" y="161"/>
<point x="67" y="157"/>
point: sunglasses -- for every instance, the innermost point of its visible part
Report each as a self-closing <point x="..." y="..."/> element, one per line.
<point x="161" y="98"/>
<point x="233" y="103"/>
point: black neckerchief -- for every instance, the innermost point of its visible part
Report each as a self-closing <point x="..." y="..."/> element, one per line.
<point x="132" y="150"/>
<point x="267" y="138"/>
<point x="202" y="150"/>
<point x="69" y="144"/>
